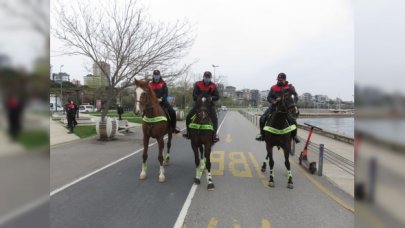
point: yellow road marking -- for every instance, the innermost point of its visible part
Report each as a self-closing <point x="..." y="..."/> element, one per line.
<point x="236" y="225"/>
<point x="239" y="158"/>
<point x="213" y="222"/>
<point x="324" y="189"/>
<point x="218" y="157"/>
<point x="266" y="223"/>
<point x="258" y="170"/>
<point x="184" y="226"/>
<point x="228" y="138"/>
<point x="368" y="216"/>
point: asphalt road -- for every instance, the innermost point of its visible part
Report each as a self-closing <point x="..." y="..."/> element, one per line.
<point x="115" y="197"/>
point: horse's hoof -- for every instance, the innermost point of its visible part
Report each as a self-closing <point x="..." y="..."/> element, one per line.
<point x="166" y="162"/>
<point x="142" y="176"/>
<point x="271" y="184"/>
<point x="263" y="170"/>
<point x="210" y="187"/>
<point x="162" y="179"/>
<point x="197" y="181"/>
<point x="290" y="186"/>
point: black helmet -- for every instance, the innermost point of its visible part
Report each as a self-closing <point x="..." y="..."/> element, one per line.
<point x="207" y="74"/>
<point x="156" y="72"/>
<point x="281" y="76"/>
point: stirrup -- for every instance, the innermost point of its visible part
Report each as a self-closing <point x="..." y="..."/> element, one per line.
<point x="215" y="138"/>
<point x="185" y="135"/>
<point x="260" y="137"/>
<point x="176" y="130"/>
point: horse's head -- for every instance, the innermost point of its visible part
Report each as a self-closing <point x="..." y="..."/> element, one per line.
<point x="286" y="103"/>
<point x="204" y="103"/>
<point x="143" y="96"/>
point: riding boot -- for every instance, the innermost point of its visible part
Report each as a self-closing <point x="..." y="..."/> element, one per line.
<point x="173" y="120"/>
<point x="214" y="119"/>
<point x="294" y="133"/>
<point x="295" y="137"/>
<point x="260" y="137"/>
<point x="188" y="119"/>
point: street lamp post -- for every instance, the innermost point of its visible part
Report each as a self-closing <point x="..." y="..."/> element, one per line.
<point x="214" y="66"/>
<point x="60" y="77"/>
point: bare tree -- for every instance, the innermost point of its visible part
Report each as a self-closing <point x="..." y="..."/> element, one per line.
<point x="121" y="34"/>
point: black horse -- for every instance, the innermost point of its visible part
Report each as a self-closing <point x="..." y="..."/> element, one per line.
<point x="200" y="131"/>
<point x="277" y="132"/>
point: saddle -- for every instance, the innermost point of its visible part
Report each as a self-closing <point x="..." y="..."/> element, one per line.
<point x="197" y="126"/>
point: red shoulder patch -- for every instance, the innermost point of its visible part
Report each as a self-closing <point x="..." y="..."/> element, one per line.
<point x="155" y="86"/>
<point x="276" y="88"/>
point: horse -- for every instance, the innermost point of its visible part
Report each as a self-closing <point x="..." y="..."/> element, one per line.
<point x="277" y="132"/>
<point x="200" y="131"/>
<point x="294" y="113"/>
<point x="155" y="125"/>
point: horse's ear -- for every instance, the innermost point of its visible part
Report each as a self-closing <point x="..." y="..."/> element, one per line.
<point x="136" y="82"/>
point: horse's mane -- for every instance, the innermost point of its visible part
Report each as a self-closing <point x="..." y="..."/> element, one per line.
<point x="145" y="85"/>
<point x="152" y="93"/>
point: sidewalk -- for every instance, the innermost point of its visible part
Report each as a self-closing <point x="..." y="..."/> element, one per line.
<point x="7" y="146"/>
<point x="335" y="174"/>
<point x="59" y="134"/>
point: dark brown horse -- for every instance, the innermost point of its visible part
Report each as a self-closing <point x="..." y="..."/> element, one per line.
<point x="277" y="132"/>
<point x="155" y="125"/>
<point x="201" y="130"/>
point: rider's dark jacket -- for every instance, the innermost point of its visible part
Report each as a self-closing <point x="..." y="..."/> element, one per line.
<point x="200" y="88"/>
<point x="161" y="90"/>
<point x="276" y="92"/>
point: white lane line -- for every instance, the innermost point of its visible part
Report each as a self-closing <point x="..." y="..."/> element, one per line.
<point x="187" y="203"/>
<point x="100" y="169"/>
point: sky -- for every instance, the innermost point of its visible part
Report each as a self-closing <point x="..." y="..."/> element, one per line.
<point x="252" y="41"/>
<point x="379" y="42"/>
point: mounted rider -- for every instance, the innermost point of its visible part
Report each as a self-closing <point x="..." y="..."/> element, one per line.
<point x="206" y="86"/>
<point x="158" y="85"/>
<point x="273" y="97"/>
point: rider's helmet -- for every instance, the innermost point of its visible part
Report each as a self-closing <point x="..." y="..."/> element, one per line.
<point x="207" y="77"/>
<point x="156" y="76"/>
<point x="281" y="76"/>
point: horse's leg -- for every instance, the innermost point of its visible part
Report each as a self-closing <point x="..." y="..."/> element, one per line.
<point x="142" y="176"/>
<point x="265" y="163"/>
<point x="210" y="186"/>
<point x="169" y="145"/>
<point x="287" y="150"/>
<point x="198" y="171"/>
<point x="203" y="158"/>
<point x="161" y="144"/>
<point x="269" y="148"/>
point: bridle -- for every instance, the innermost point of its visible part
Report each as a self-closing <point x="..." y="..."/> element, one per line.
<point x="146" y="105"/>
<point x="202" y="111"/>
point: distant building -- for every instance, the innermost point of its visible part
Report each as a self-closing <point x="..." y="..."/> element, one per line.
<point x="263" y="97"/>
<point x="246" y="94"/>
<point x="239" y="94"/>
<point x="230" y="92"/>
<point x="221" y="89"/>
<point x="102" y="70"/>
<point x="307" y="97"/>
<point x="75" y="82"/>
<point x="321" y="98"/>
<point x="255" y="97"/>
<point x="93" y="81"/>
<point x="62" y="76"/>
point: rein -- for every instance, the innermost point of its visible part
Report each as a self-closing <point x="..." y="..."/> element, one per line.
<point x="149" y="106"/>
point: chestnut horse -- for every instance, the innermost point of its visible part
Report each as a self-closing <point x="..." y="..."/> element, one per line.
<point x="155" y="125"/>
<point x="277" y="132"/>
<point x="201" y="130"/>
